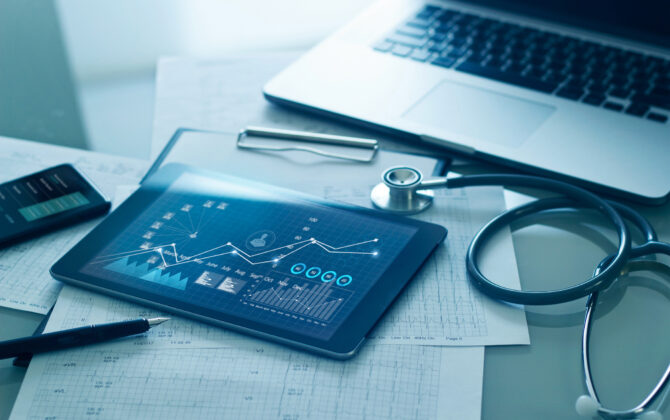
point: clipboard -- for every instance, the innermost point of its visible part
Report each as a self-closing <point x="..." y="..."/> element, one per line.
<point x="293" y="169"/>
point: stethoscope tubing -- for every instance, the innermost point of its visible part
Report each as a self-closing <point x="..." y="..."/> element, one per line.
<point x="607" y="271"/>
<point x="649" y="248"/>
<point x="577" y="195"/>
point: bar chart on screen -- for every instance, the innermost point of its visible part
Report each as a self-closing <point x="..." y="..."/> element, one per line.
<point x="318" y="301"/>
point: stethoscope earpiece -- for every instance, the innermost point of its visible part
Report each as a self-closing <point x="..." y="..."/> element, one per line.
<point x="586" y="406"/>
<point x="651" y="415"/>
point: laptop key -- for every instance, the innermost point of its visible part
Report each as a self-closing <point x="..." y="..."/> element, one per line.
<point x="444" y="62"/>
<point x="657" y="117"/>
<point x="455" y="54"/>
<point x="597" y="87"/>
<point x="437" y="48"/>
<point x="576" y="83"/>
<point x="443" y="29"/>
<point x="427" y="12"/>
<point x="654" y="100"/>
<point x="613" y="106"/>
<point x="429" y="8"/>
<point x="438" y="37"/>
<point x="476" y="58"/>
<point x="383" y="46"/>
<point x="618" y="81"/>
<point x="594" y="99"/>
<point x="552" y="77"/>
<point x="418" y="23"/>
<point x="493" y="62"/>
<point x="401" y="50"/>
<point x="660" y="91"/>
<point x="506" y="77"/>
<point x="570" y="93"/>
<point x="620" y="93"/>
<point x="411" y="31"/>
<point x="420" y="55"/>
<point x="536" y="72"/>
<point x="515" y="67"/>
<point x="637" y="109"/>
<point x="640" y="86"/>
<point x="407" y="40"/>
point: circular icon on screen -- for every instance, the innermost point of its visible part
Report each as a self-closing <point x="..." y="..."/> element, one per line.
<point x="344" y="280"/>
<point x="313" y="272"/>
<point x="328" y="276"/>
<point x="261" y="240"/>
<point x="298" y="268"/>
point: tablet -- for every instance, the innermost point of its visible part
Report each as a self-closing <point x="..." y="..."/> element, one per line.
<point x="253" y="257"/>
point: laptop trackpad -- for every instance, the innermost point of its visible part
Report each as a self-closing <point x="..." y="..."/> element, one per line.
<point x="480" y="114"/>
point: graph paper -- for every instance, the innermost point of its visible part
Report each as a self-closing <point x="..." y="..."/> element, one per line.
<point x="185" y="369"/>
<point x="25" y="283"/>
<point x="440" y="306"/>
<point x="254" y="380"/>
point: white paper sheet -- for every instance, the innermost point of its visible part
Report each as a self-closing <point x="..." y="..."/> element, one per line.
<point x="441" y="306"/>
<point x="185" y="369"/>
<point x="25" y="283"/>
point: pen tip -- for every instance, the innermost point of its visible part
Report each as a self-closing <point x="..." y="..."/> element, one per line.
<point x="156" y="321"/>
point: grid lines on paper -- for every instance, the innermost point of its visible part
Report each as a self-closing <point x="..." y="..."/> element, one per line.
<point x="254" y="381"/>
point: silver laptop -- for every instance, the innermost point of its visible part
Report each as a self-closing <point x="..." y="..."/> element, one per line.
<point x="574" y="89"/>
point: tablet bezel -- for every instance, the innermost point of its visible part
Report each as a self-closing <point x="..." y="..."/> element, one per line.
<point x="346" y="339"/>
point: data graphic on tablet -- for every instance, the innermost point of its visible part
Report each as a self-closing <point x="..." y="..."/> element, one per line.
<point x="296" y="265"/>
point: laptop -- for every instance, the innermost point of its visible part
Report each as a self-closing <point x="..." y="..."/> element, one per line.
<point x="578" y="90"/>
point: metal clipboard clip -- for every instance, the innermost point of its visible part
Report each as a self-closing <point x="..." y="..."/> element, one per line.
<point x="307" y="137"/>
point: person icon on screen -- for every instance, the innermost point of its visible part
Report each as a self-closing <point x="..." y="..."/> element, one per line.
<point x="259" y="242"/>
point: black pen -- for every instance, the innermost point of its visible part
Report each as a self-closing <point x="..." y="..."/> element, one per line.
<point x="76" y="337"/>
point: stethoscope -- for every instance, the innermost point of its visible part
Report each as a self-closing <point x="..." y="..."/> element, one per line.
<point x="403" y="190"/>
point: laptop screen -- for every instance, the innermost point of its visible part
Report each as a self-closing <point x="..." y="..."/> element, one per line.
<point x="643" y="20"/>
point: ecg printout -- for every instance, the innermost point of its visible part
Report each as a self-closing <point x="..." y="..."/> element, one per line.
<point x="186" y="369"/>
<point x="440" y="306"/>
<point x="25" y="283"/>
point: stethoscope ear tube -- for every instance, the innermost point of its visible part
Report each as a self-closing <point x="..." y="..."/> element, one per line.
<point x="576" y="195"/>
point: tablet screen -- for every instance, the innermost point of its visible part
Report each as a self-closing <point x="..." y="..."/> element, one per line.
<point x="290" y="263"/>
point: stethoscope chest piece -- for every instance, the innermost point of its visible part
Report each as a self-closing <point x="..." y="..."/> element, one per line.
<point x="399" y="191"/>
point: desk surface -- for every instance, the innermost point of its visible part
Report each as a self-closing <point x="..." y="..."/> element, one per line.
<point x="520" y="382"/>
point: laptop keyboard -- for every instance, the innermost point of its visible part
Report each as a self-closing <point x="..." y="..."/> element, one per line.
<point x="579" y="70"/>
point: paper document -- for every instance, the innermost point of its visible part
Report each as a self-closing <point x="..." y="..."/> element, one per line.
<point x="25" y="283"/>
<point x="187" y="369"/>
<point x="441" y="306"/>
<point x="256" y="381"/>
